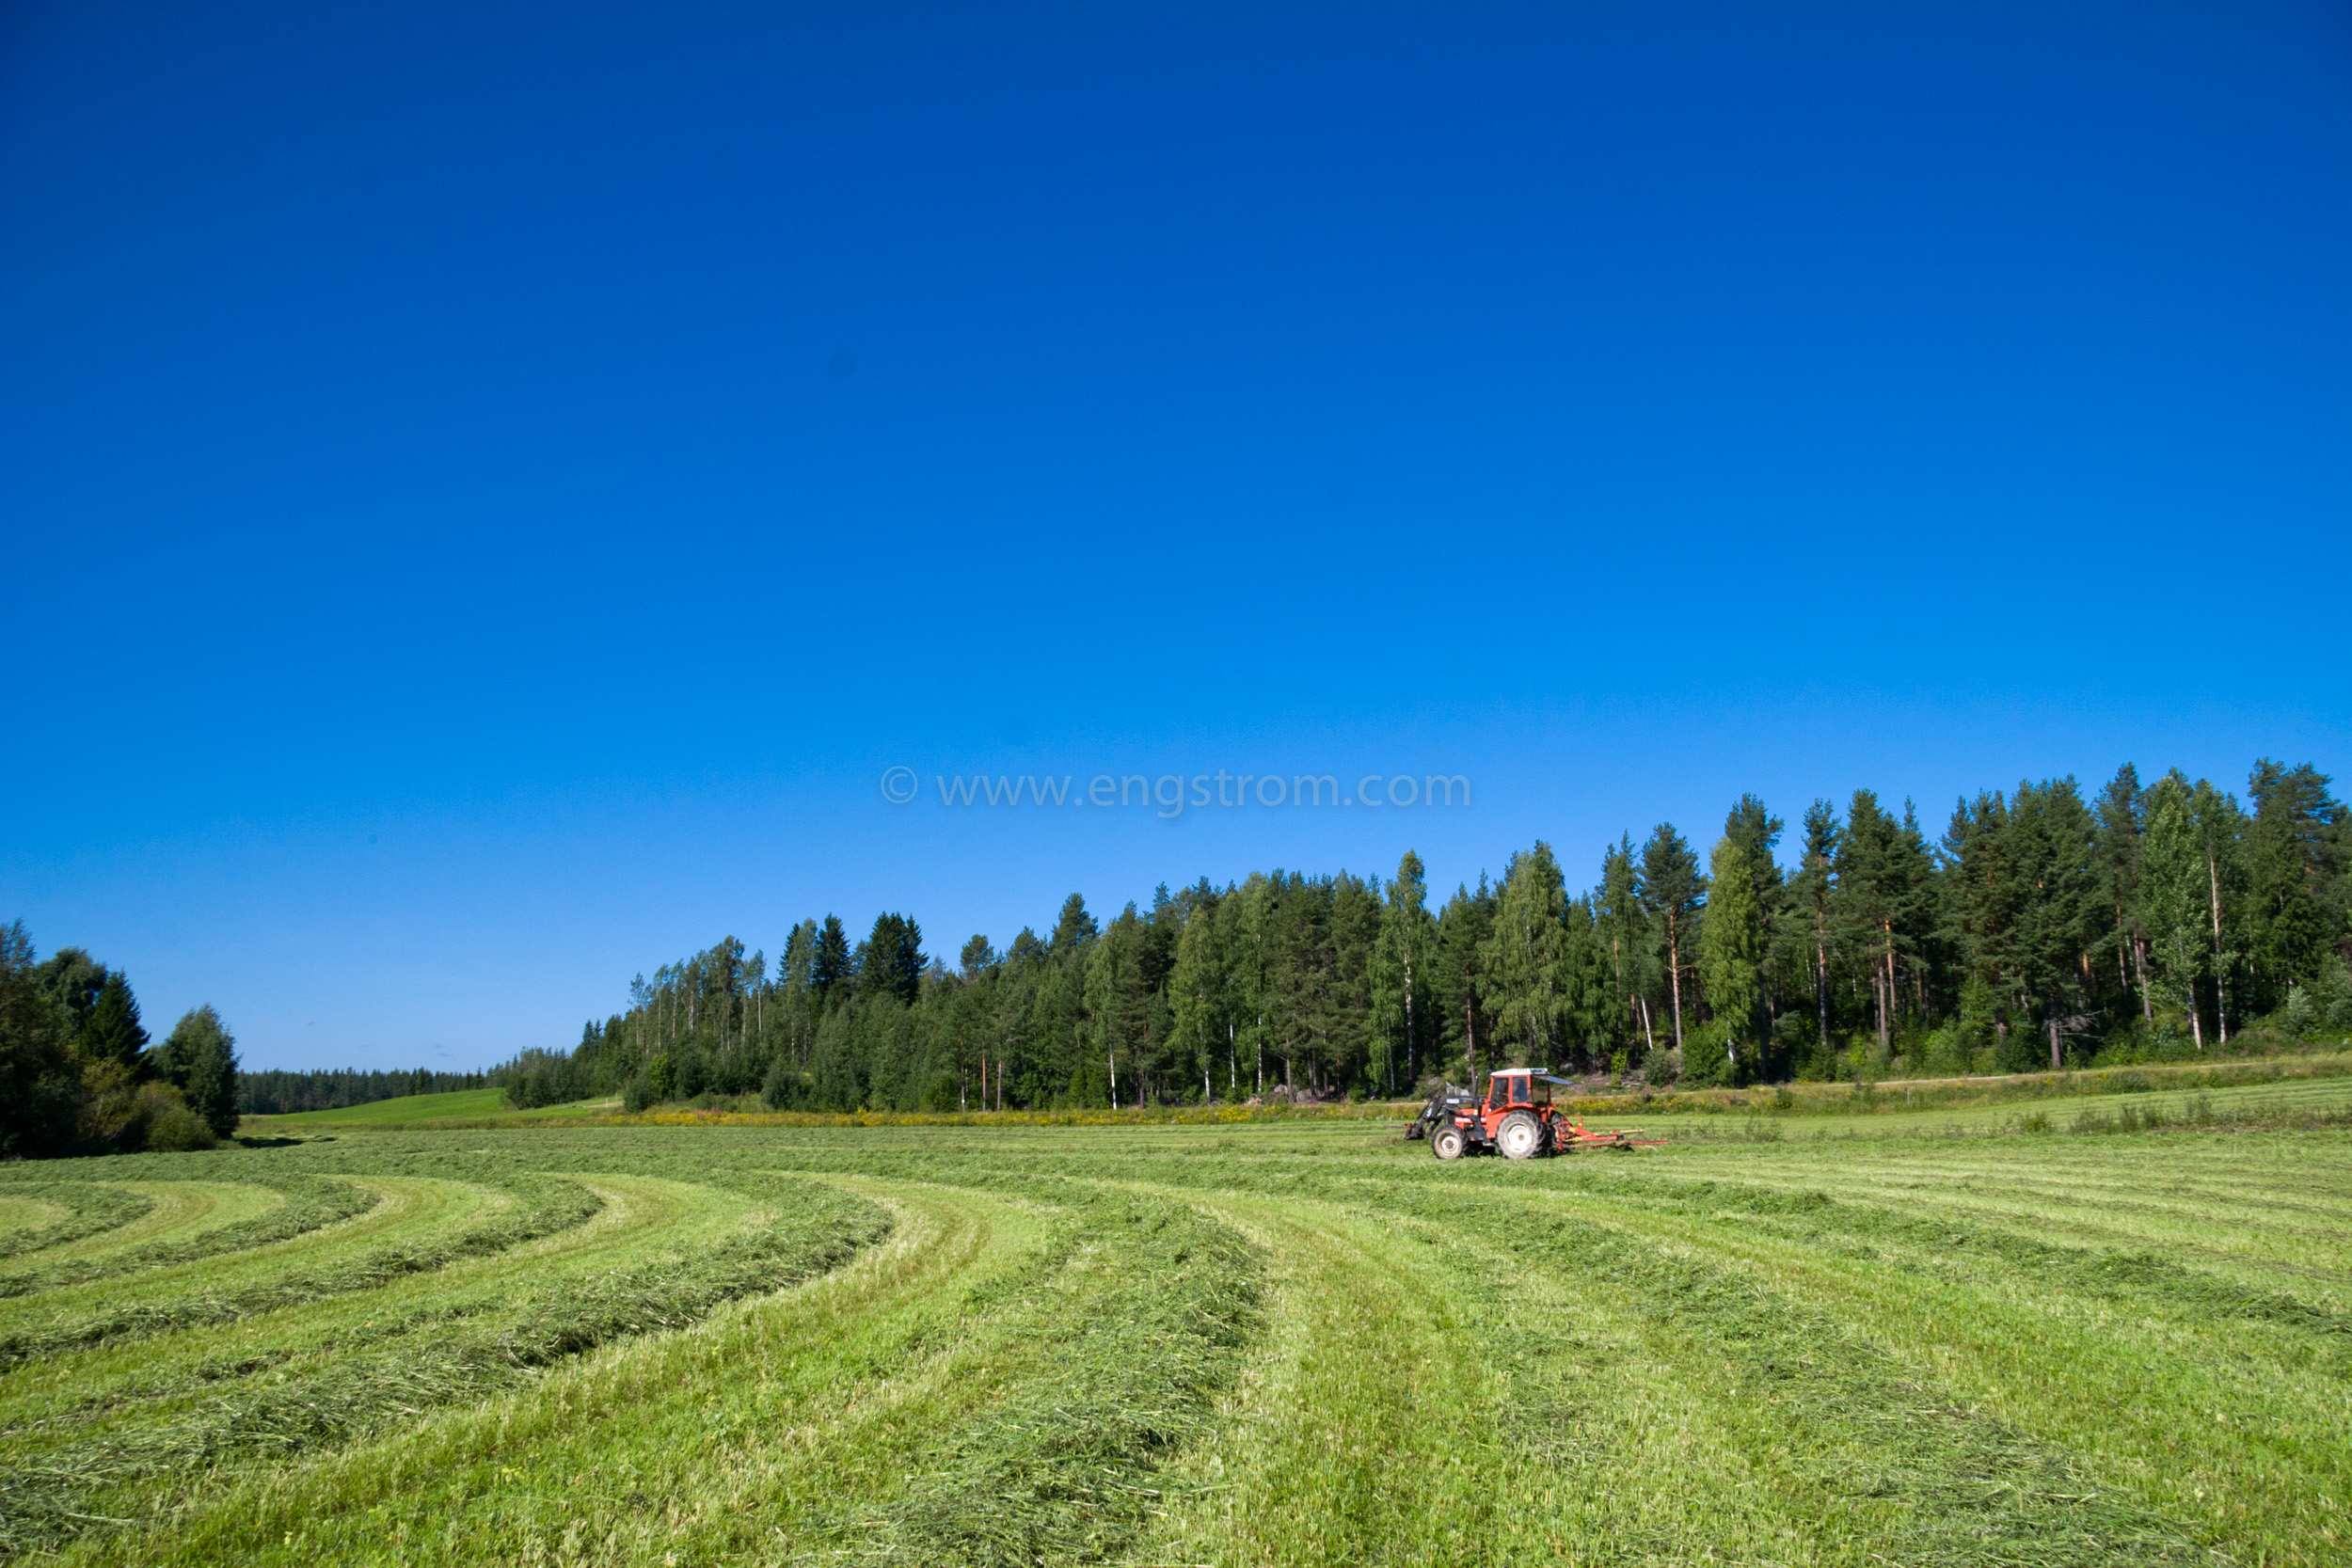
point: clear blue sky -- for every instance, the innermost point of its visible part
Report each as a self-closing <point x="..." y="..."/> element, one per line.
<point x="486" y="490"/>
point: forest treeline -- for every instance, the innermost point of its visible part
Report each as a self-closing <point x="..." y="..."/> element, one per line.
<point x="78" y="1074"/>
<point x="275" y="1091"/>
<point x="2042" y="927"/>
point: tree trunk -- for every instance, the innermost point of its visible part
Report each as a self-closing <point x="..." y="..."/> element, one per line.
<point x="2056" y="1062"/>
<point x="1649" y="1036"/>
<point x="2196" y="1023"/>
<point x="2140" y="965"/>
<point x="1886" y="1021"/>
<point x="1821" y="975"/>
<point x="2221" y="973"/>
<point x="1673" y="963"/>
<point x="1412" y="1075"/>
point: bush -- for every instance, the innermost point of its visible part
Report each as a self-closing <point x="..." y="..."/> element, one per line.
<point x="2325" y="1006"/>
<point x="785" y="1089"/>
<point x="162" y="1123"/>
<point x="1706" y="1059"/>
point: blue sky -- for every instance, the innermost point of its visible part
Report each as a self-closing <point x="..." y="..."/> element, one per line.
<point x="487" y="489"/>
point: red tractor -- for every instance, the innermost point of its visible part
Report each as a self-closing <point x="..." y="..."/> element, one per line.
<point x="1516" y="1119"/>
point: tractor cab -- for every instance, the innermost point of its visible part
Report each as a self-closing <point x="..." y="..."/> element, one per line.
<point x="1518" y="1086"/>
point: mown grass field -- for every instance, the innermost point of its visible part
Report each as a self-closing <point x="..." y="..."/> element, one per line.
<point x="409" y="1109"/>
<point x="1893" y="1339"/>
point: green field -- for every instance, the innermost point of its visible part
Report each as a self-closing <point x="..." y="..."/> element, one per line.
<point x="457" y="1105"/>
<point x="1884" y="1339"/>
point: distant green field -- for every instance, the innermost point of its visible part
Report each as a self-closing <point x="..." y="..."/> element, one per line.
<point x="411" y="1108"/>
<point x="1848" y="1339"/>
<point x="2060" y="1113"/>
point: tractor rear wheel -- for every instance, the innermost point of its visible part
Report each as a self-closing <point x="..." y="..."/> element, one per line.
<point x="1448" y="1143"/>
<point x="1520" y="1136"/>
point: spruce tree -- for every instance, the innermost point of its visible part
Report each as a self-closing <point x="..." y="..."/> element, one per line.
<point x="2295" y="862"/>
<point x="112" y="1031"/>
<point x="1524" y="959"/>
<point x="830" y="964"/>
<point x="893" y="961"/>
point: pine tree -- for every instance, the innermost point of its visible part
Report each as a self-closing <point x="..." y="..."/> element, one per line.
<point x="1815" y="893"/>
<point x="1075" y="928"/>
<point x="2057" y="925"/>
<point x="1874" y="888"/>
<point x="2219" y="828"/>
<point x="1455" y="975"/>
<point x="1674" y="895"/>
<point x="1627" y="948"/>
<point x="2120" y="814"/>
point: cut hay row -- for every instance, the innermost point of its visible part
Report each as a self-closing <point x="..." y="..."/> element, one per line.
<point x="539" y="1207"/>
<point x="219" y="1217"/>
<point x="350" y="1386"/>
<point x="59" y="1214"/>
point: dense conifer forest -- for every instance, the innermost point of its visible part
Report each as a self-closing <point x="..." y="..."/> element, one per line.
<point x="2040" y="926"/>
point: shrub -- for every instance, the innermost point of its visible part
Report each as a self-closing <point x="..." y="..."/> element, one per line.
<point x="162" y="1123"/>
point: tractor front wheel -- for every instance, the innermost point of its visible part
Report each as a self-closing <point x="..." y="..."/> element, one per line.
<point x="1520" y="1136"/>
<point x="1448" y="1143"/>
